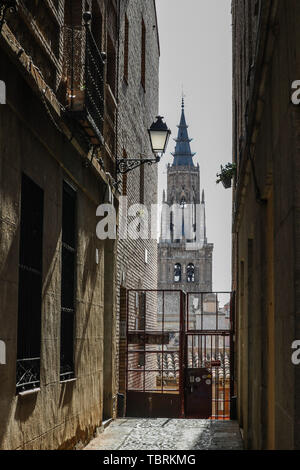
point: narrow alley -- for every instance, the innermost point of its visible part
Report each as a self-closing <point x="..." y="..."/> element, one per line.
<point x="168" y="434"/>
<point x="149" y="227"/>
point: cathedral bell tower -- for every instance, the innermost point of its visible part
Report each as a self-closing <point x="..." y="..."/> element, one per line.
<point x="185" y="257"/>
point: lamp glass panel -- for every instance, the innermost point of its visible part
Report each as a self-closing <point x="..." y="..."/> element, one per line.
<point x="158" y="140"/>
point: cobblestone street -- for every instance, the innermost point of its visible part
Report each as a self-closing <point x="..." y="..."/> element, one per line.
<point x="168" y="434"/>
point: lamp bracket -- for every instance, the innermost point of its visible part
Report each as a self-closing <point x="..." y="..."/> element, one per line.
<point x="124" y="165"/>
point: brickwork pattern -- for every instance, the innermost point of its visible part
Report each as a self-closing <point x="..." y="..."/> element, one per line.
<point x="138" y="108"/>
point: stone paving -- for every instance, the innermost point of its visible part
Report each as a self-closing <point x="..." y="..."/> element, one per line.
<point x="168" y="434"/>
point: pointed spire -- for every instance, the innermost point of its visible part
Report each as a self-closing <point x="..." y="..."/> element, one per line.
<point x="203" y="197"/>
<point x="183" y="155"/>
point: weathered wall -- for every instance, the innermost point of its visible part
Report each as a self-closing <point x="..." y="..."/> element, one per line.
<point x="60" y="415"/>
<point x="138" y="108"/>
<point x="172" y="253"/>
<point x="266" y="240"/>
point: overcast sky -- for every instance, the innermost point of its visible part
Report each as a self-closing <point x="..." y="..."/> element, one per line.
<point x="195" y="41"/>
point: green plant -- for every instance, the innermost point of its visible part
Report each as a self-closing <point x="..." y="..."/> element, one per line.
<point x="227" y="173"/>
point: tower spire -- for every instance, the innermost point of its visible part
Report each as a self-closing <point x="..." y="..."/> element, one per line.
<point x="183" y="155"/>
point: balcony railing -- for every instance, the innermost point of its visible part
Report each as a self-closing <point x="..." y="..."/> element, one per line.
<point x="110" y="126"/>
<point x="84" y="74"/>
<point x="94" y="83"/>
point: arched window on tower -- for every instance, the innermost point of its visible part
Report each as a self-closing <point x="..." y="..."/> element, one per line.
<point x="190" y="272"/>
<point x="177" y="272"/>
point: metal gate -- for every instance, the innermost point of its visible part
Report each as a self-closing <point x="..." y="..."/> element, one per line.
<point x="179" y="354"/>
<point x="208" y="355"/>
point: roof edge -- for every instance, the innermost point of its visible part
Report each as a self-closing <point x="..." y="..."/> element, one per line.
<point x="157" y="29"/>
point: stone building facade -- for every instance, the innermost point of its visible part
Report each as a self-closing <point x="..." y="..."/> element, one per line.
<point x="138" y="107"/>
<point x="57" y="165"/>
<point x="185" y="256"/>
<point x="266" y="214"/>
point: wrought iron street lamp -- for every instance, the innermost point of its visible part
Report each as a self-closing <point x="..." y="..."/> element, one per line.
<point x="159" y="135"/>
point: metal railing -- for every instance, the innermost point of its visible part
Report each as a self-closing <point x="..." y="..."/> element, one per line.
<point x="94" y="84"/>
<point x="28" y="374"/>
<point x="84" y="70"/>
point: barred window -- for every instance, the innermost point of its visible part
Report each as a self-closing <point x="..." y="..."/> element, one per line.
<point x="68" y="283"/>
<point x="30" y="286"/>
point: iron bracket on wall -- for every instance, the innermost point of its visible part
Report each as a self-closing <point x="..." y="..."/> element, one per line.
<point x="124" y="165"/>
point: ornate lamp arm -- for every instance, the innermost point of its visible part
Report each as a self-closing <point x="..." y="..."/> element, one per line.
<point x="124" y="165"/>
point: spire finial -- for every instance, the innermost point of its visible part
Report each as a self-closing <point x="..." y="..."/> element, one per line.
<point x="203" y="197"/>
<point x="183" y="96"/>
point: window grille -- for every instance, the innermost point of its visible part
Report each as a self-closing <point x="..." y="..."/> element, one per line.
<point x="68" y="281"/>
<point x="30" y="286"/>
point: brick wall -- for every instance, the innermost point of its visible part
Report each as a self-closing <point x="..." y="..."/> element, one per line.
<point x="137" y="110"/>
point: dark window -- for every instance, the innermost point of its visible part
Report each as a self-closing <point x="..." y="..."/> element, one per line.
<point x="190" y="272"/>
<point x="30" y="286"/>
<point x="97" y="25"/>
<point x="68" y="279"/>
<point x="126" y="49"/>
<point x="143" y="56"/>
<point x="177" y="272"/>
<point x="111" y="65"/>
